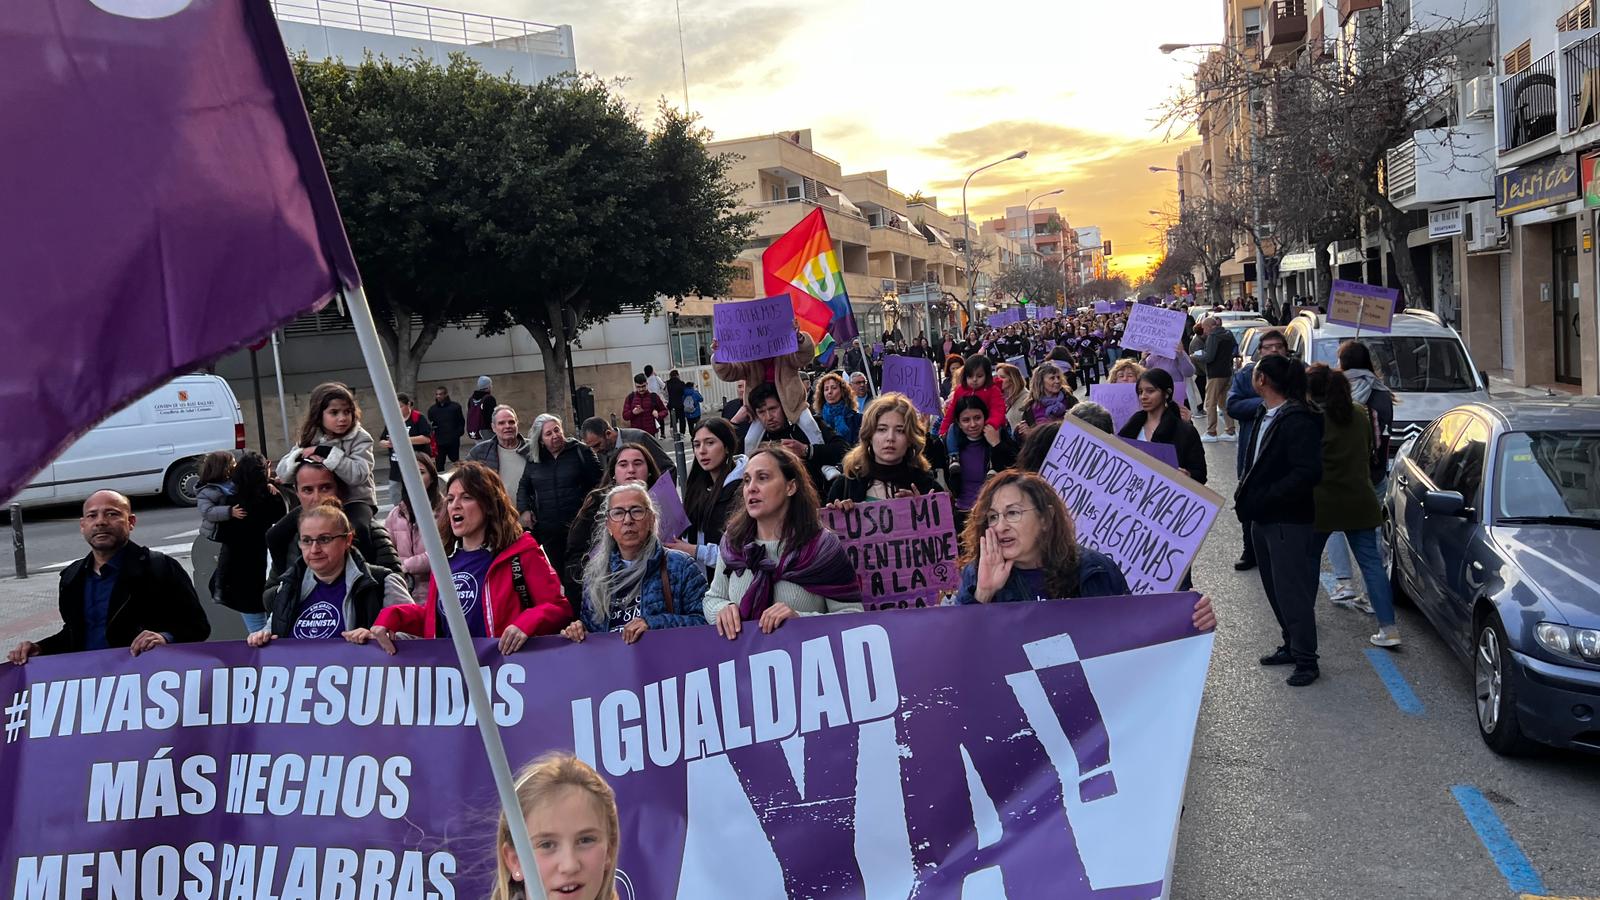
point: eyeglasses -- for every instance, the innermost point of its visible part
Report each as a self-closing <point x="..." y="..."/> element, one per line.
<point x="321" y="540"/>
<point x="1012" y="515"/>
<point x="629" y="513"/>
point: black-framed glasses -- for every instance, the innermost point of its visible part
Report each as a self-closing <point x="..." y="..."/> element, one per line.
<point x="626" y="513"/>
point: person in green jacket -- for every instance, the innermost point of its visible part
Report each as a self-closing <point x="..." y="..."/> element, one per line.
<point x="1345" y="501"/>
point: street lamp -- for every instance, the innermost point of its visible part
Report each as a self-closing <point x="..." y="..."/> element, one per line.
<point x="966" y="225"/>
<point x="1027" y="218"/>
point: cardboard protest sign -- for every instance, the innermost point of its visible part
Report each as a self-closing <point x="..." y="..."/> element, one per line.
<point x="1048" y="312"/>
<point x="674" y="519"/>
<point x="904" y="551"/>
<point x="1153" y="328"/>
<point x="755" y="329"/>
<point x="1146" y="517"/>
<point x="1164" y="452"/>
<point x="914" y="377"/>
<point x="1021" y="362"/>
<point x="1122" y="400"/>
<point x="1104" y="307"/>
<point x="1367" y="307"/>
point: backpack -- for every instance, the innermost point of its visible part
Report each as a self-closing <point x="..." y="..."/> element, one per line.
<point x="691" y="403"/>
<point x="433" y="437"/>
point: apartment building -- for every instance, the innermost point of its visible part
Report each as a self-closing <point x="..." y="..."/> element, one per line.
<point x="1090" y="261"/>
<point x="889" y="245"/>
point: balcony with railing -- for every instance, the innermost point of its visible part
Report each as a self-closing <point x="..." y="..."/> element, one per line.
<point x="1348" y="8"/>
<point x="1530" y="106"/>
<point x="1441" y="165"/>
<point x="1580" y="63"/>
<point x="1285" y="28"/>
<point x="410" y="20"/>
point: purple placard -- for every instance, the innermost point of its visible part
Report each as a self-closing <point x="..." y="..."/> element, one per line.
<point x="1103" y="307"/>
<point x="755" y="329"/>
<point x="905" y="700"/>
<point x="1122" y="400"/>
<point x="674" y="520"/>
<point x="1021" y="362"/>
<point x="1365" y="307"/>
<point x="877" y="348"/>
<point x="1148" y="519"/>
<point x="1048" y="312"/>
<point x="914" y="377"/>
<point x="1153" y="328"/>
<point x="904" y="551"/>
<point x="1164" y="452"/>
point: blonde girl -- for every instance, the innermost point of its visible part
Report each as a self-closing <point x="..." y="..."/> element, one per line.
<point x="573" y="826"/>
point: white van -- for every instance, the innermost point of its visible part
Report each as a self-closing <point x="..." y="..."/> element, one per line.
<point x="151" y="446"/>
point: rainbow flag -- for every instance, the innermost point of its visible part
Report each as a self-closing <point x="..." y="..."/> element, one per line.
<point x="803" y="265"/>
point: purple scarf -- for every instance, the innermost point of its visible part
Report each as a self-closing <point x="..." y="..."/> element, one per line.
<point x="821" y="567"/>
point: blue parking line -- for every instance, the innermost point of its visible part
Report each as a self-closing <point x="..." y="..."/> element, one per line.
<point x="1508" y="857"/>
<point x="1389" y="674"/>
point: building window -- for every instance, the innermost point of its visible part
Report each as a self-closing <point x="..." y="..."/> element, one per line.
<point x="691" y="341"/>
<point x="1252" y="27"/>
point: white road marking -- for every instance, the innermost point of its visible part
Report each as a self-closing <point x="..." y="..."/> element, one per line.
<point x="173" y="550"/>
<point x="193" y="532"/>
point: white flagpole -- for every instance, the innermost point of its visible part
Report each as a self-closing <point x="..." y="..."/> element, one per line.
<point x="477" y="694"/>
<point x="283" y="406"/>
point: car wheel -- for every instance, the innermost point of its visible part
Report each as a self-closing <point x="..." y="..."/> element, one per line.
<point x="183" y="483"/>
<point x="1389" y="548"/>
<point x="1495" y="686"/>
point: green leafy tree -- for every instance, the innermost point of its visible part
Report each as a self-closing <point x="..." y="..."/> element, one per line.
<point x="411" y="149"/>
<point x="595" y="215"/>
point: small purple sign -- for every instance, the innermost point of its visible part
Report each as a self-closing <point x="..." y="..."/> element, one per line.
<point x="1021" y="362"/>
<point x="1146" y="517"/>
<point x="914" y="377"/>
<point x="1364" y="307"/>
<point x="755" y="329"/>
<point x="1153" y="328"/>
<point x="1164" y="452"/>
<point x="904" y="551"/>
<point x="674" y="519"/>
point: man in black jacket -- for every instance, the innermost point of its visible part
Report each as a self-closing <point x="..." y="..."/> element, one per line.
<point x="121" y="594"/>
<point x="1282" y="467"/>
<point x="822" y="452"/>
<point x="449" y="424"/>
<point x="1216" y="355"/>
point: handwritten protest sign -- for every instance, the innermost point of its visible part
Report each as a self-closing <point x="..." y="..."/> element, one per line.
<point x="1153" y="328"/>
<point x="904" y="551"/>
<point x="914" y="377"/>
<point x="1367" y="307"/>
<point x="1147" y="518"/>
<point x="1122" y="400"/>
<point x="674" y="519"/>
<point x="756" y="329"/>
<point x="1048" y="312"/>
<point x="1021" y="362"/>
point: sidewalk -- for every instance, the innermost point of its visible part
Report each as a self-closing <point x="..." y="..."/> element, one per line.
<point x="1501" y="388"/>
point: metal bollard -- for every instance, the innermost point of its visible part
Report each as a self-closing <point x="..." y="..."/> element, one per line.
<point x="19" y="550"/>
<point x="683" y="470"/>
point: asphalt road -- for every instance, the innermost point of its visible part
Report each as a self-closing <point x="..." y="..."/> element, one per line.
<point x="1326" y="791"/>
<point x="1332" y="790"/>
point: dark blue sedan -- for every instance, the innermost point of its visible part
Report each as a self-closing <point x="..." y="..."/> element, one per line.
<point x="1494" y="532"/>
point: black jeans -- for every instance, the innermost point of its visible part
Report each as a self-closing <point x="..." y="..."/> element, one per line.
<point x="1288" y="556"/>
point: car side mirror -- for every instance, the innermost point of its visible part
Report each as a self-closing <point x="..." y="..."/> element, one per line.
<point x="1483" y="378"/>
<point x="1445" y="503"/>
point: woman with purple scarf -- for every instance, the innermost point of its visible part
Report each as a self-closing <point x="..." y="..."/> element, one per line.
<point x="778" y="561"/>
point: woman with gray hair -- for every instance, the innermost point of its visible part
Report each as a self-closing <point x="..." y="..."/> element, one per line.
<point x="559" y="475"/>
<point x="631" y="583"/>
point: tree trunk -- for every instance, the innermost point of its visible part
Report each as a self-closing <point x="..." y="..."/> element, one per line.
<point x="1324" y="271"/>
<point x="554" y="350"/>
<point x="410" y="345"/>
<point x="1214" y="283"/>
<point x="1392" y="223"/>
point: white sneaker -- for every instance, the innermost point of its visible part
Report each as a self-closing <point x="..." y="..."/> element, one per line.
<point x="1229" y="437"/>
<point x="1209" y="439"/>
<point x="1387" y="636"/>
<point x="1344" y="595"/>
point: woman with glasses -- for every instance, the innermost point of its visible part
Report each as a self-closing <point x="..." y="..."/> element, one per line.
<point x="329" y="592"/>
<point x="1020" y="544"/>
<point x="777" y="561"/>
<point x="631" y="583"/>
<point x="507" y="587"/>
<point x="632" y="463"/>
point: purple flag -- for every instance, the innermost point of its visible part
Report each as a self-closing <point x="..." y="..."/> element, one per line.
<point x="164" y="204"/>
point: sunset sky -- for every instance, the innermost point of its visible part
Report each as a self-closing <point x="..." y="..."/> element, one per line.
<point x="928" y="90"/>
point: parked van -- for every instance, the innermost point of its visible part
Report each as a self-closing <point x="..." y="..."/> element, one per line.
<point x="151" y="446"/>
<point x="1421" y="359"/>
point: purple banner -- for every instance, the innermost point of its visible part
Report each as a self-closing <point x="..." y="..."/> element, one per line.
<point x="823" y="759"/>
<point x="1146" y="517"/>
<point x="199" y="218"/>
<point x="904" y="551"/>
<point x="755" y="329"/>
<point x="674" y="519"/>
<point x="1365" y="307"/>
<point x="1048" y="312"/>
<point x="914" y="377"/>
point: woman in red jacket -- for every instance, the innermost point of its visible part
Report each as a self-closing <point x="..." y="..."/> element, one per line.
<point x="484" y="540"/>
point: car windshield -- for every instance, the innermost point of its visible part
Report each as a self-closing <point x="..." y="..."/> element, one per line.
<point x="1410" y="363"/>
<point x="1548" y="475"/>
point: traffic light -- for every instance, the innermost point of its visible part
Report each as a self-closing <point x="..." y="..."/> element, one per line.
<point x="1106" y="249"/>
<point x="1022" y="299"/>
